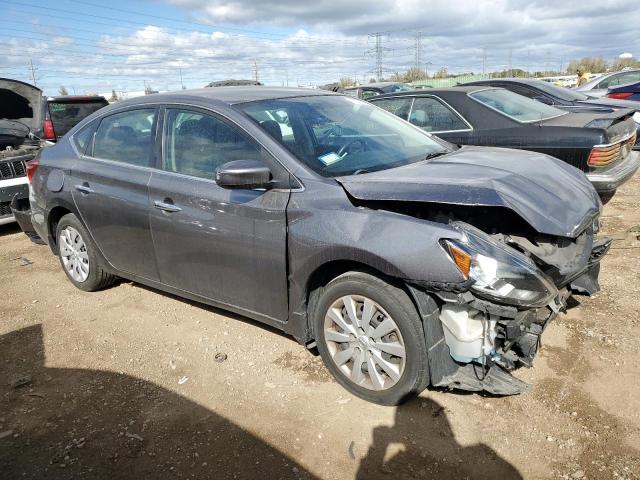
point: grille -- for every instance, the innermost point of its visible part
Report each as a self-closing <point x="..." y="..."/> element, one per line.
<point x="5" y="209"/>
<point x="17" y="168"/>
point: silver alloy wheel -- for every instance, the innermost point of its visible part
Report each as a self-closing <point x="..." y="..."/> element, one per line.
<point x="73" y="252"/>
<point x="364" y="342"/>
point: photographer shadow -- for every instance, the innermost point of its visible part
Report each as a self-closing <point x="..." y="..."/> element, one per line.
<point x="421" y="445"/>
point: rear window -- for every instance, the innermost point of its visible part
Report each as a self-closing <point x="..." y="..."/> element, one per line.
<point x="66" y="115"/>
<point x="517" y="107"/>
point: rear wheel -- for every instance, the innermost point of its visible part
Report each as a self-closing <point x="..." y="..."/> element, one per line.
<point x="78" y="256"/>
<point x="370" y="337"/>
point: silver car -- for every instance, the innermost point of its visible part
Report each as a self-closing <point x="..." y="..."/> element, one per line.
<point x="598" y="86"/>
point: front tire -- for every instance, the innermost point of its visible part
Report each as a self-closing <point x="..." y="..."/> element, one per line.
<point x="78" y="256"/>
<point x="371" y="339"/>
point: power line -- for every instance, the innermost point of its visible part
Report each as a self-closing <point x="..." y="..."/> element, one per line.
<point x="86" y="19"/>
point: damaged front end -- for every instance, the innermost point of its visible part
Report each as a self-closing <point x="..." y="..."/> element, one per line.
<point x="492" y="324"/>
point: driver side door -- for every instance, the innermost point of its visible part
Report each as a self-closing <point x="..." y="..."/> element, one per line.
<point x="228" y="246"/>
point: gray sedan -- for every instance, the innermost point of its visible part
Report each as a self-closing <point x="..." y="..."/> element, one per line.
<point x="405" y="260"/>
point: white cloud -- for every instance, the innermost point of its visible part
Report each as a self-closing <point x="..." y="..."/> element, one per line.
<point x="327" y="40"/>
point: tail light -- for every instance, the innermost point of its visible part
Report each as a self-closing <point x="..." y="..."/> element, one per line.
<point x="32" y="166"/>
<point x="620" y="96"/>
<point x="48" y="131"/>
<point x="605" y="154"/>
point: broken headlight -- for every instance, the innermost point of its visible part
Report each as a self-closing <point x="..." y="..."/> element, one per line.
<point x="499" y="272"/>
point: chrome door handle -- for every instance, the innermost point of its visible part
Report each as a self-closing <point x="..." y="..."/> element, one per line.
<point x="84" y="189"/>
<point x="166" y="207"/>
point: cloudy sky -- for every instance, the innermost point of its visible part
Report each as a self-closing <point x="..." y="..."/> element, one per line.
<point x="90" y="47"/>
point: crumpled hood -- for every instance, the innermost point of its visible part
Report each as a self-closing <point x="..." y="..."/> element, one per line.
<point x="553" y="197"/>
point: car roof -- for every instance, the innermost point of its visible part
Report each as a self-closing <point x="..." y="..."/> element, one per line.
<point x="228" y="95"/>
<point x="524" y="81"/>
<point x="461" y="89"/>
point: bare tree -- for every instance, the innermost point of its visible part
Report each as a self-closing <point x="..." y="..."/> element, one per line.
<point x="63" y="91"/>
<point x="588" y="64"/>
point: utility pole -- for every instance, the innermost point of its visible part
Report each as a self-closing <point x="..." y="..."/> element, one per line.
<point x="33" y="73"/>
<point x="510" y="64"/>
<point x="484" y="61"/>
<point x="255" y="70"/>
<point x="418" y="50"/>
<point x="181" y="82"/>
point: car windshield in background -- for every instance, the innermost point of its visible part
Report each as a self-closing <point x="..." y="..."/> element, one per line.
<point x="397" y="87"/>
<point x="561" y="92"/>
<point x="67" y="114"/>
<point x="521" y="109"/>
<point x="338" y="135"/>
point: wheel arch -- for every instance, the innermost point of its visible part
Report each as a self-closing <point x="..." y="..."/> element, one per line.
<point x="331" y="270"/>
<point x="53" y="217"/>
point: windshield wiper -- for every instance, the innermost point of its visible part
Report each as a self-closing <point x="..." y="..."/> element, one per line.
<point x="431" y="155"/>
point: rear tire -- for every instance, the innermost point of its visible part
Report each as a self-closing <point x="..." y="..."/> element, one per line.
<point x="79" y="257"/>
<point x="371" y="339"/>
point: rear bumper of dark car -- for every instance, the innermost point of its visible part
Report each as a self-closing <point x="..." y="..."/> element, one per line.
<point x="21" y="210"/>
<point x="609" y="180"/>
<point x="10" y="189"/>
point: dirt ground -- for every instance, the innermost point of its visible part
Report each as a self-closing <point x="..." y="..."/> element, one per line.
<point x="133" y="383"/>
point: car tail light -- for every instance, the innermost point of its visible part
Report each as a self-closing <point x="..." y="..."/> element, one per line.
<point x="605" y="154"/>
<point x="48" y="131"/>
<point x="32" y="166"/>
<point x="620" y="96"/>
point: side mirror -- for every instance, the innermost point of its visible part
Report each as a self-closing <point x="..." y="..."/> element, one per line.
<point x="247" y="174"/>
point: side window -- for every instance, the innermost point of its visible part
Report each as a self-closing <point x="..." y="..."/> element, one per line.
<point x="126" y="137"/>
<point x="196" y="143"/>
<point x="433" y="116"/>
<point x="368" y="93"/>
<point x="82" y="138"/>
<point x="622" y="79"/>
<point x="397" y="106"/>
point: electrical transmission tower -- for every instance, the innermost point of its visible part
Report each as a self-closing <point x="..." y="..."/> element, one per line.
<point x="418" y="50"/>
<point x="379" y="51"/>
<point x="255" y="70"/>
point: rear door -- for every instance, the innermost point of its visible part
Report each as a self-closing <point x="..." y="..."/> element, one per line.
<point x="110" y="189"/>
<point x="225" y="245"/>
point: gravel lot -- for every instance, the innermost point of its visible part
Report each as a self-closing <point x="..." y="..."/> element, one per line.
<point x="134" y="383"/>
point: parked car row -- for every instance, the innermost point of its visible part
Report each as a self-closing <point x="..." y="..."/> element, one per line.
<point x="598" y="143"/>
<point x="28" y="121"/>
<point x="406" y="259"/>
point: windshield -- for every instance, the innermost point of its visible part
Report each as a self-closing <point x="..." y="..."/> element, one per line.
<point x="67" y="114"/>
<point x="397" y="87"/>
<point x="338" y="135"/>
<point x="560" y="92"/>
<point x="521" y="109"/>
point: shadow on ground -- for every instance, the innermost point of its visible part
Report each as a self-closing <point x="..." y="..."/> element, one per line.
<point x="9" y="229"/>
<point x="72" y="423"/>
